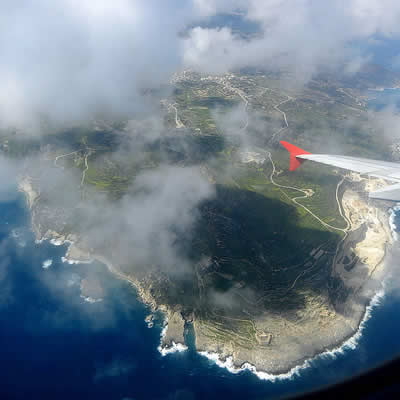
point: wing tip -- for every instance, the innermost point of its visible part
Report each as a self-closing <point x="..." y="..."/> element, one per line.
<point x="294" y="151"/>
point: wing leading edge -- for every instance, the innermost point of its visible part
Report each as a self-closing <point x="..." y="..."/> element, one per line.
<point x="374" y="168"/>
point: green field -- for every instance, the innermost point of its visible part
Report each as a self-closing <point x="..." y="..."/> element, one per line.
<point x="260" y="247"/>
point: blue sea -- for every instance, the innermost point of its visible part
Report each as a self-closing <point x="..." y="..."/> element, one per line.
<point x="54" y="344"/>
<point x="380" y="99"/>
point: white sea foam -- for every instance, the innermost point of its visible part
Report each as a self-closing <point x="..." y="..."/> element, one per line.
<point x="47" y="264"/>
<point x="164" y="329"/>
<point x="392" y="223"/>
<point x="72" y="261"/>
<point x="90" y="300"/>
<point x="18" y="236"/>
<point x="349" y="344"/>
<point x="149" y="321"/>
<point x="54" y="241"/>
<point x="57" y="242"/>
<point x="174" y="348"/>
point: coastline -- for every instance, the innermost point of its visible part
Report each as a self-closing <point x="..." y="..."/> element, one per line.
<point x="169" y="342"/>
<point x="303" y="343"/>
<point x="171" y="338"/>
<point x="393" y="226"/>
<point x="349" y="343"/>
<point x="171" y="347"/>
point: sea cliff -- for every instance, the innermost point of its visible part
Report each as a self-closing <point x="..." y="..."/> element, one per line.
<point x="283" y="340"/>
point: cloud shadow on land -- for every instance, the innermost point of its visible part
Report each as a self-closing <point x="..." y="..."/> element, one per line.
<point x="245" y="252"/>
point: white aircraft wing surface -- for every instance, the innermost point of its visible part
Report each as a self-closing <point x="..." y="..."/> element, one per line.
<point x="374" y="168"/>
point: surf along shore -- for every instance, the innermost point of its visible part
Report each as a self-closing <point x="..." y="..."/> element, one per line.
<point x="293" y="342"/>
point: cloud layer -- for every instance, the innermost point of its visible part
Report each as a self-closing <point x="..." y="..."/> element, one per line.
<point x="70" y="60"/>
<point x="300" y="35"/>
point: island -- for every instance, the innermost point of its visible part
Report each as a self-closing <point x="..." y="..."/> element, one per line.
<point x="268" y="267"/>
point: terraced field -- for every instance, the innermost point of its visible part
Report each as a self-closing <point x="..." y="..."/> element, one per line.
<point x="253" y="249"/>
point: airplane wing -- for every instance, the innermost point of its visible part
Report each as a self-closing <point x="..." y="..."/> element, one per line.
<point x="374" y="168"/>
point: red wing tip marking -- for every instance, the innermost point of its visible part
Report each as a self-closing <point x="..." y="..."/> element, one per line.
<point x="294" y="152"/>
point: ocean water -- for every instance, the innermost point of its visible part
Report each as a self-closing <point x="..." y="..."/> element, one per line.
<point x="384" y="98"/>
<point x="56" y="344"/>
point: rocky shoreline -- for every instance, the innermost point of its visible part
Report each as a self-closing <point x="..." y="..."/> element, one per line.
<point x="172" y="336"/>
<point x="322" y="328"/>
<point x="306" y="335"/>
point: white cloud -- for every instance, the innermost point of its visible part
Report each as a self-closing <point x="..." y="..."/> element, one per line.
<point x="299" y="34"/>
<point x="143" y="227"/>
<point x="207" y="8"/>
<point x="69" y="59"/>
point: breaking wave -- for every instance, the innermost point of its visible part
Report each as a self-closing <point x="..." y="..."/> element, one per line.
<point x="392" y="222"/>
<point x="72" y="261"/>
<point x="47" y="263"/>
<point x="349" y="344"/>
<point x="90" y="300"/>
<point x="58" y="242"/>
<point x="68" y="260"/>
<point x="174" y="348"/>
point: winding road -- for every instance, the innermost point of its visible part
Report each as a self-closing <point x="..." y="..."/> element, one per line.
<point x="87" y="154"/>
<point x="86" y="168"/>
<point x="178" y="122"/>
<point x="276" y="107"/>
<point x="306" y="193"/>
<point x="63" y="155"/>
